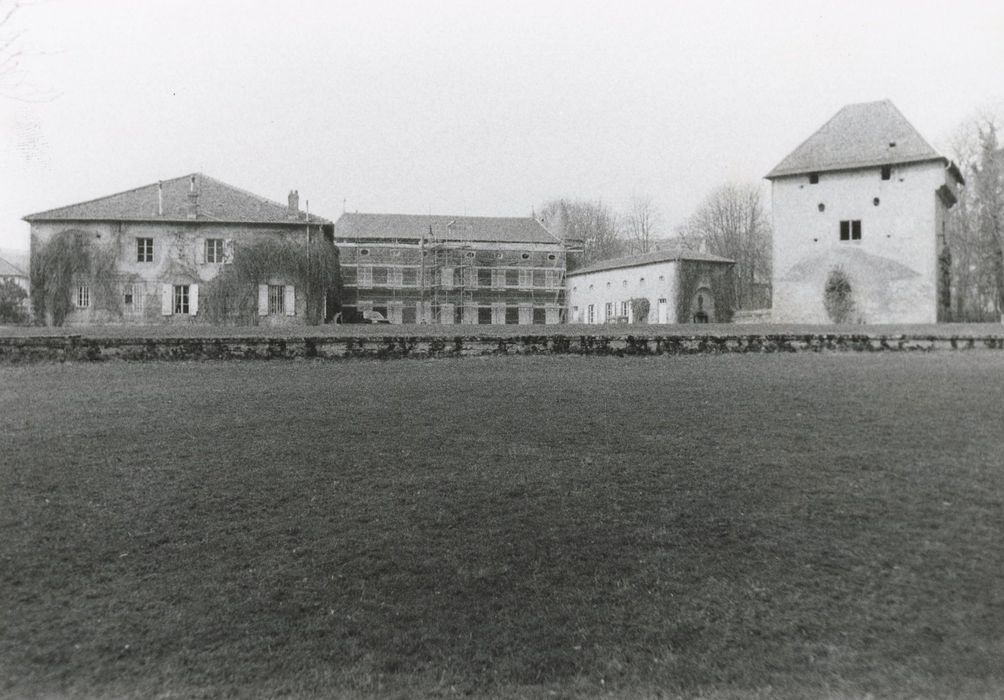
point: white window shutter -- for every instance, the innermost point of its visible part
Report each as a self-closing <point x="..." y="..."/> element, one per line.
<point x="289" y="300"/>
<point x="200" y="250"/>
<point x="263" y="300"/>
<point x="193" y="299"/>
<point x="167" y="299"/>
<point x="228" y="250"/>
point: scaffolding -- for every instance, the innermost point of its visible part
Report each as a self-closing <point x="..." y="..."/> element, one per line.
<point x="463" y="281"/>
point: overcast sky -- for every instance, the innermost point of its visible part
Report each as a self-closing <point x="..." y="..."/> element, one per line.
<point x="478" y="108"/>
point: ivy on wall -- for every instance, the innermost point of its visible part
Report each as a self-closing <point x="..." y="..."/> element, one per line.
<point x="232" y="297"/>
<point x="944" y="285"/>
<point x="838" y="296"/>
<point x="640" y="307"/>
<point x="719" y="279"/>
<point x="71" y="258"/>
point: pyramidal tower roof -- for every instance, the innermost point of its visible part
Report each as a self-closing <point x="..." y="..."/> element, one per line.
<point x="859" y="136"/>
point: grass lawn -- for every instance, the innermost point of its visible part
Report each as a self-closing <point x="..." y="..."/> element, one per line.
<point x="737" y="526"/>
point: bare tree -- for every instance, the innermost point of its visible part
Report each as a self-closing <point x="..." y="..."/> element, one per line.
<point x="591" y="223"/>
<point x="14" y="84"/>
<point x="975" y="237"/>
<point x="731" y="222"/>
<point x="642" y="224"/>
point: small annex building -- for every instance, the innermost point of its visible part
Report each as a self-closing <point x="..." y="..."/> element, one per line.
<point x="152" y="251"/>
<point x="450" y="269"/>
<point x="675" y="285"/>
<point x="859" y="213"/>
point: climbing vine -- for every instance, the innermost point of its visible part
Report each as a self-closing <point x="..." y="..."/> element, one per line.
<point x="944" y="284"/>
<point x="640" y="306"/>
<point x="838" y="296"/>
<point x="232" y="296"/>
<point x="67" y="259"/>
<point x="690" y="274"/>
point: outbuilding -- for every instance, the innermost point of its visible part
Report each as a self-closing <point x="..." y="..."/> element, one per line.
<point x="665" y="286"/>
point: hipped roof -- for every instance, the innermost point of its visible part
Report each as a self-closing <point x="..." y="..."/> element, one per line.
<point x="217" y="202"/>
<point x="860" y="135"/>
<point x="658" y="256"/>
<point x="481" y="229"/>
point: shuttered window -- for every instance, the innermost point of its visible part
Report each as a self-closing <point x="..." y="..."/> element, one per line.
<point x="276" y="299"/>
<point x="214" y="250"/>
<point x="181" y="299"/>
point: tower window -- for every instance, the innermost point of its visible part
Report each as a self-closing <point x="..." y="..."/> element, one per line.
<point x="850" y="230"/>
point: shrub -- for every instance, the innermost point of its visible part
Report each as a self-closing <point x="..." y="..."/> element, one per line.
<point x="639" y="309"/>
<point x="12" y="297"/>
<point x="838" y="296"/>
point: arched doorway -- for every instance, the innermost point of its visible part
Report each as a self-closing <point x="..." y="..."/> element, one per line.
<point x="702" y="306"/>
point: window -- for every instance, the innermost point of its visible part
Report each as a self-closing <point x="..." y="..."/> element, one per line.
<point x="144" y="250"/>
<point x="395" y="277"/>
<point x="83" y="296"/>
<point x="471" y="278"/>
<point x="624" y="308"/>
<point x="214" y="250"/>
<point x="276" y="299"/>
<point x="850" y="230"/>
<point x="526" y="278"/>
<point x="886" y="172"/>
<point x="609" y="310"/>
<point x="552" y="256"/>
<point x="132" y="298"/>
<point x="364" y="279"/>
<point x="364" y="251"/>
<point x="498" y="279"/>
<point x="446" y="277"/>
<point x="181" y="298"/>
<point x="813" y="178"/>
<point x="550" y="279"/>
<point x="590" y="314"/>
<point x="525" y="256"/>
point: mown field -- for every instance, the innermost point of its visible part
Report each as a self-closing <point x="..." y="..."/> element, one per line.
<point x="728" y="527"/>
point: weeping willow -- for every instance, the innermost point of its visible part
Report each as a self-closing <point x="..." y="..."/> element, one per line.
<point x="67" y="259"/>
<point x="232" y="296"/>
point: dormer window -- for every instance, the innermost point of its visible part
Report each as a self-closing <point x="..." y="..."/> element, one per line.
<point x="813" y="178"/>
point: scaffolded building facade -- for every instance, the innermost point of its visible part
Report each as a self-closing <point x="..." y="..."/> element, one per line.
<point x="450" y="269"/>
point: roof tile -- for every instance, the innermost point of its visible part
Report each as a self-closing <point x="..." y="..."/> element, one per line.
<point x="447" y="228"/>
<point x="658" y="256"/>
<point x="859" y="135"/>
<point x="217" y="201"/>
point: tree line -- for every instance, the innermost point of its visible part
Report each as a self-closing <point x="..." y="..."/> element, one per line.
<point x="731" y="222"/>
<point x="975" y="231"/>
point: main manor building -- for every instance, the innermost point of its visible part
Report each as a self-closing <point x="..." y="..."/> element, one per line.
<point x="450" y="269"/>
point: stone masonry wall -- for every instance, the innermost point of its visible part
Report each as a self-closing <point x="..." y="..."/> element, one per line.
<point x="15" y="350"/>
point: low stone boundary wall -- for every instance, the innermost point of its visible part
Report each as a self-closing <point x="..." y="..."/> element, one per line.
<point x="85" y="349"/>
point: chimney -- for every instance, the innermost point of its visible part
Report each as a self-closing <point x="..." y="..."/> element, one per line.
<point x="293" y="211"/>
<point x="160" y="198"/>
<point x="193" y="200"/>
